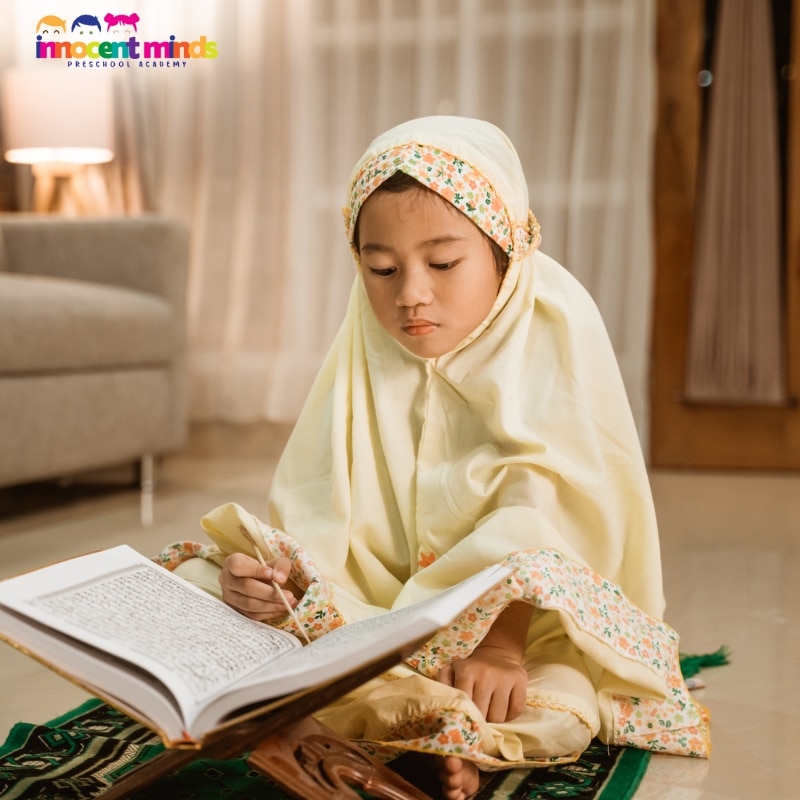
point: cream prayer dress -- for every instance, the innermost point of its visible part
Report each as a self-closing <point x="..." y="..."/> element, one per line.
<point x="405" y="475"/>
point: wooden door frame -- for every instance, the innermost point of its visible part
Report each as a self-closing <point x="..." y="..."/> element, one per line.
<point x="685" y="435"/>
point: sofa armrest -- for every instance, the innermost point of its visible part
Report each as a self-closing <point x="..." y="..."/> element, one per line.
<point x="148" y="253"/>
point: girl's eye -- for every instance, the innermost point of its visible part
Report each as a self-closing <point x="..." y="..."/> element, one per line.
<point x="383" y="272"/>
<point x="443" y="267"/>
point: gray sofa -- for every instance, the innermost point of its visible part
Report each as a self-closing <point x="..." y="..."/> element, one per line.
<point x="92" y="343"/>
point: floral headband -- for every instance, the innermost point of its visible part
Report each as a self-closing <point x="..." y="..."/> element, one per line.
<point x="456" y="181"/>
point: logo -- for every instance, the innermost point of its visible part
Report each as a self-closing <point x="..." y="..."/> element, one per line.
<point x="89" y="43"/>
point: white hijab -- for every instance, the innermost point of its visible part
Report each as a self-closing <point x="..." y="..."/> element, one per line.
<point x="406" y="474"/>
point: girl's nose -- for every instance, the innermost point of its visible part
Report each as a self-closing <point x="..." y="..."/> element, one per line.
<point x="414" y="288"/>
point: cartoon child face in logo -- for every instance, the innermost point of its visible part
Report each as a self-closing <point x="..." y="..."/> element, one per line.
<point x="51" y="28"/>
<point x="121" y="24"/>
<point x="85" y="25"/>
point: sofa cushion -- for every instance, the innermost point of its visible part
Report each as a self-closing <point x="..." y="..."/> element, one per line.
<point x="59" y="324"/>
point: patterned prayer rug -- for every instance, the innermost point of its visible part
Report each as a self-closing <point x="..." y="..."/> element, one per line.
<point x="80" y="754"/>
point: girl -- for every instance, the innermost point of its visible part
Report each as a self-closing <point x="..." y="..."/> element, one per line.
<point x="470" y="412"/>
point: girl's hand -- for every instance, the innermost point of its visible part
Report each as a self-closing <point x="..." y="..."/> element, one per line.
<point x="247" y="587"/>
<point x="493" y="676"/>
<point x="493" y="680"/>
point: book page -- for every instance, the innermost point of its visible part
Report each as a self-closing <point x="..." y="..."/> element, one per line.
<point x="137" y="610"/>
<point x="150" y="615"/>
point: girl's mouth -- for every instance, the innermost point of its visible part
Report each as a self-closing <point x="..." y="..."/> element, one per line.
<point x="419" y="327"/>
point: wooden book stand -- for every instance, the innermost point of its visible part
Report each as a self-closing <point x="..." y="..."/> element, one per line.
<point x="314" y="763"/>
<point x="303" y="756"/>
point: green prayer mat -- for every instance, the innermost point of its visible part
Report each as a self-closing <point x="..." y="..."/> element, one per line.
<point x="80" y="754"/>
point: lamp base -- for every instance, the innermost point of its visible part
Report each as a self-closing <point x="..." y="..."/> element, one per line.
<point x="61" y="188"/>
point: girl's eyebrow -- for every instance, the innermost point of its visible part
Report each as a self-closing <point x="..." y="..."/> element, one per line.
<point x="377" y="247"/>
<point x="374" y="247"/>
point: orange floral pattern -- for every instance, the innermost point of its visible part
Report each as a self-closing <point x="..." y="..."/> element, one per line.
<point x="551" y="582"/>
<point x="178" y="552"/>
<point x="456" y="181"/>
<point x="677" y="725"/>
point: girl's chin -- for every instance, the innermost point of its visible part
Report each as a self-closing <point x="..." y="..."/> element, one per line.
<point x="429" y="346"/>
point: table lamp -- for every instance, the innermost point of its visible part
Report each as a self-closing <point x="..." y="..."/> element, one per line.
<point x="58" y="122"/>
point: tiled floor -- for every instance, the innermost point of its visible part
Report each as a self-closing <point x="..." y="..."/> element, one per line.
<point x="731" y="546"/>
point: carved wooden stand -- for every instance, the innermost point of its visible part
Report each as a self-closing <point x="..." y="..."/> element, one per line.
<point x="313" y="763"/>
<point x="302" y="755"/>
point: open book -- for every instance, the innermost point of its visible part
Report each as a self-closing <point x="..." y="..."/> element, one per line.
<point x="180" y="660"/>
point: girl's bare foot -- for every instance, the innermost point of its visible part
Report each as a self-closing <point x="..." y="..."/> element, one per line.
<point x="459" y="778"/>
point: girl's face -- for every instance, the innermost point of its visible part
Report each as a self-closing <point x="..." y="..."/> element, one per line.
<point x="429" y="272"/>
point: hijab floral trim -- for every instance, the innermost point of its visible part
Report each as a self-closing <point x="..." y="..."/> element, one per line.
<point x="456" y="181"/>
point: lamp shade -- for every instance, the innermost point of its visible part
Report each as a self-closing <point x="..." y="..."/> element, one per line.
<point x="56" y="117"/>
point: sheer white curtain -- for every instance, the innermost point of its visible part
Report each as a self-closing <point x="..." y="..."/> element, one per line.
<point x="253" y="150"/>
<point x="736" y="353"/>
